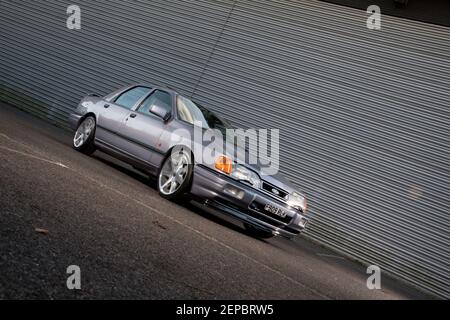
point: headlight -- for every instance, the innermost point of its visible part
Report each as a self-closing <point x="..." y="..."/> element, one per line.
<point x="241" y="173"/>
<point x="297" y="201"/>
<point x="238" y="172"/>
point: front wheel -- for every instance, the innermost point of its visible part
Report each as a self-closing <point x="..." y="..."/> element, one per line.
<point x="83" y="140"/>
<point x="175" y="175"/>
<point x="257" y="233"/>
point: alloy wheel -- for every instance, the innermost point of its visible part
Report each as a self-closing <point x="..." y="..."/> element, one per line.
<point x="173" y="173"/>
<point x="83" y="132"/>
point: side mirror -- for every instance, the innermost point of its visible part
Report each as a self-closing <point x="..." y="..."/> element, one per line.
<point x="160" y="112"/>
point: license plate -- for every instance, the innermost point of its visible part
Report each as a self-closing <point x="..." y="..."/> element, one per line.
<point x="275" y="210"/>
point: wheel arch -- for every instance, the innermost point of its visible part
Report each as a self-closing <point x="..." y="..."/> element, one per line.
<point x="87" y="115"/>
<point x="167" y="154"/>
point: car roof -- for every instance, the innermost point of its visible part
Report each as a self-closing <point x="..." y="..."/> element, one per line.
<point x="164" y="87"/>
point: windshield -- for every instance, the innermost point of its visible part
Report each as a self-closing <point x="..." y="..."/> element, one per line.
<point x="192" y="112"/>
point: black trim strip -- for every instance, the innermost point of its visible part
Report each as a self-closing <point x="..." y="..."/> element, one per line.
<point x="151" y="148"/>
<point x="118" y="150"/>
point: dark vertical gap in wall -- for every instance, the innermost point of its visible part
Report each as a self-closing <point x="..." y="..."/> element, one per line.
<point x="430" y="11"/>
<point x="213" y="48"/>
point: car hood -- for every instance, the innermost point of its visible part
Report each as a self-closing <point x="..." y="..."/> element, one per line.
<point x="277" y="179"/>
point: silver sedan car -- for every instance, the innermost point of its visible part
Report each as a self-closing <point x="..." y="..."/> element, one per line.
<point x="150" y="128"/>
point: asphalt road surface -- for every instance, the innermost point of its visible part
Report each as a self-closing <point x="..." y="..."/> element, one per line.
<point x="106" y="218"/>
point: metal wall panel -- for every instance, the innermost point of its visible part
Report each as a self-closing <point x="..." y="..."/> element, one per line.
<point x="363" y="114"/>
<point x="364" y="118"/>
<point x="119" y="42"/>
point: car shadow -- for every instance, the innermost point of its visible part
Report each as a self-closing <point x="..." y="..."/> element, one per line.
<point x="122" y="167"/>
<point x="151" y="181"/>
<point x="220" y="219"/>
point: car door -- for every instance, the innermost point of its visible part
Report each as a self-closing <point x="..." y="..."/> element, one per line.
<point x="143" y="128"/>
<point x="113" y="114"/>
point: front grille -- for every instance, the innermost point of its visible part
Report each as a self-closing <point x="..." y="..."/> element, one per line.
<point x="277" y="192"/>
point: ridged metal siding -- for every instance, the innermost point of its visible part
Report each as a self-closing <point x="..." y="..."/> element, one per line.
<point x="120" y="42"/>
<point x="363" y="114"/>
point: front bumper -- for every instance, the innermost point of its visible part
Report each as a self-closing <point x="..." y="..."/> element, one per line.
<point x="245" y="203"/>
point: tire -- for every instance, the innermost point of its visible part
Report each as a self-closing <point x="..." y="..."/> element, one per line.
<point x="83" y="139"/>
<point x="257" y="233"/>
<point x="175" y="175"/>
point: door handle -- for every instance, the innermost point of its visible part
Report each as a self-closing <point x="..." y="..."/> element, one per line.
<point x="106" y="105"/>
<point x="133" y="115"/>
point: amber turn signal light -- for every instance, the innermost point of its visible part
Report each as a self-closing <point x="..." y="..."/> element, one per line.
<point x="224" y="164"/>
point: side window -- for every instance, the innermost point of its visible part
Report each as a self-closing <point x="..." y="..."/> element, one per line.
<point x="188" y="111"/>
<point x="159" y="98"/>
<point x="129" y="98"/>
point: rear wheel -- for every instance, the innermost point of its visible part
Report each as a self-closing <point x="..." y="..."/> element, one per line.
<point x="175" y="175"/>
<point x="83" y="140"/>
<point x="257" y="233"/>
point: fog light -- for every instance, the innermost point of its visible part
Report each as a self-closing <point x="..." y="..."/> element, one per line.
<point x="235" y="192"/>
<point x="302" y="222"/>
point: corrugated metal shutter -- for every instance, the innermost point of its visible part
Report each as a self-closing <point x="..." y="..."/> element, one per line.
<point x="364" y="118"/>
<point x="119" y="42"/>
<point x="364" y="114"/>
